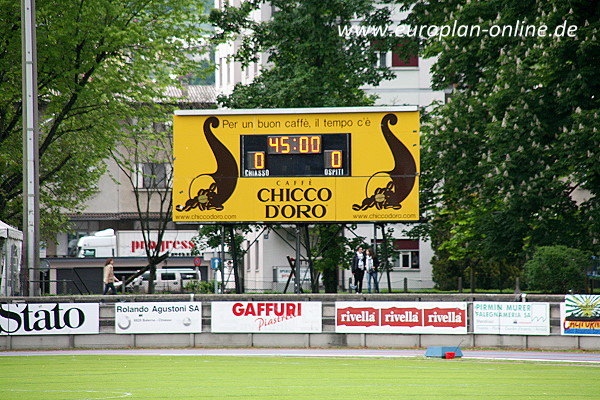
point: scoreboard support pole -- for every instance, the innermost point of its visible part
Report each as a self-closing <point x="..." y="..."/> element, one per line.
<point x="298" y="287"/>
<point x="314" y="284"/>
<point x="385" y="256"/>
<point x="222" y="264"/>
<point x="234" y="257"/>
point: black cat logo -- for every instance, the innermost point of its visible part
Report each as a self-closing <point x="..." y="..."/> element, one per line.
<point x="224" y="179"/>
<point x="401" y="178"/>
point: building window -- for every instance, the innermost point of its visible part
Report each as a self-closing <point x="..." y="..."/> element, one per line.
<point x="413" y="61"/>
<point x="247" y="255"/>
<point x="153" y="176"/>
<point x="381" y="55"/>
<point x="257" y="257"/>
<point x="220" y="68"/>
<point x="404" y="60"/>
<point x="228" y="66"/>
<point x="407" y="254"/>
<point x="408" y="259"/>
<point x="161" y="126"/>
<point x="381" y="59"/>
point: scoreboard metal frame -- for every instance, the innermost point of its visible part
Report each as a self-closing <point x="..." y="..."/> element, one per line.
<point x="295" y="155"/>
<point x="312" y="165"/>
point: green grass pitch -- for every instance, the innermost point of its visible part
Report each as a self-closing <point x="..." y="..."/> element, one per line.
<point x="89" y="377"/>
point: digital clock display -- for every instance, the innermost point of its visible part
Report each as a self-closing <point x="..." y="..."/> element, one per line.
<point x="294" y="144"/>
<point x="295" y="155"/>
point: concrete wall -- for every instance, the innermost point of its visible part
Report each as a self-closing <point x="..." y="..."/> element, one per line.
<point x="107" y="339"/>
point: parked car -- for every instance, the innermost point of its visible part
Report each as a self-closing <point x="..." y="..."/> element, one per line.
<point x="167" y="280"/>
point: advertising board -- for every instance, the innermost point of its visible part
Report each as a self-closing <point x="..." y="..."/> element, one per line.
<point x="505" y="318"/>
<point x="177" y="243"/>
<point x="265" y="317"/>
<point x="49" y="319"/>
<point x="401" y="317"/>
<point x="580" y="315"/>
<point x="163" y="317"/>
<point x="297" y="165"/>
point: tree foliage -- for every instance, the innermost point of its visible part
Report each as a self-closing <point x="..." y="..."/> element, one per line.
<point x="502" y="159"/>
<point x="233" y="237"/>
<point x="95" y="59"/>
<point x="309" y="63"/>
<point x="330" y="252"/>
<point x="557" y="269"/>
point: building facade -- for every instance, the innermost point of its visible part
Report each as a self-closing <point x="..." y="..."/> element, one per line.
<point x="266" y="265"/>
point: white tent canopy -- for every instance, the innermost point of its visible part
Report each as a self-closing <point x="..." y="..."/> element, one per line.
<point x="11" y="250"/>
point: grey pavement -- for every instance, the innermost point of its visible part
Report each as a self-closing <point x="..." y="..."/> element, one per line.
<point x="515" y="355"/>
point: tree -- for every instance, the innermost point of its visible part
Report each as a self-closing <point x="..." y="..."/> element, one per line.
<point x="232" y="236"/>
<point x="95" y="59"/>
<point x="557" y="269"/>
<point x="310" y="65"/>
<point x="144" y="154"/>
<point x="503" y="157"/>
<point x="331" y="254"/>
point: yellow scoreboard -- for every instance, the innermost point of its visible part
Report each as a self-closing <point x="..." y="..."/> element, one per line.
<point x="297" y="165"/>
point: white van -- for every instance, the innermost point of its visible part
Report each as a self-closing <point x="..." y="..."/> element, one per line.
<point x="167" y="280"/>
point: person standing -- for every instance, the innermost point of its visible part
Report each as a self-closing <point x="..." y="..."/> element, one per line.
<point x="109" y="277"/>
<point x="358" y="268"/>
<point x="372" y="265"/>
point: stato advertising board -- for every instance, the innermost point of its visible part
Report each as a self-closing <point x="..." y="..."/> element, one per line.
<point x="297" y="165"/>
<point x="265" y="317"/>
<point x="401" y="317"/>
<point x="49" y="319"/>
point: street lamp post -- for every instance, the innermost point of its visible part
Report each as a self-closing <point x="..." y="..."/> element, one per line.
<point x="31" y="211"/>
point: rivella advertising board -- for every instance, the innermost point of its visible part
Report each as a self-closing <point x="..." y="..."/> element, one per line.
<point x="401" y="317"/>
<point x="296" y="165"/>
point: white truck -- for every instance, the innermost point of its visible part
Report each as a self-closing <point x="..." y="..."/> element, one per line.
<point x="107" y="243"/>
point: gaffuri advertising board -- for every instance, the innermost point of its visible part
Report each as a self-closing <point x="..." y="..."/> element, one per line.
<point x="49" y="319"/>
<point x="580" y="315"/>
<point x="266" y="317"/>
<point x="503" y="318"/>
<point x="164" y="317"/>
<point x="297" y="165"/>
<point x="401" y="317"/>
